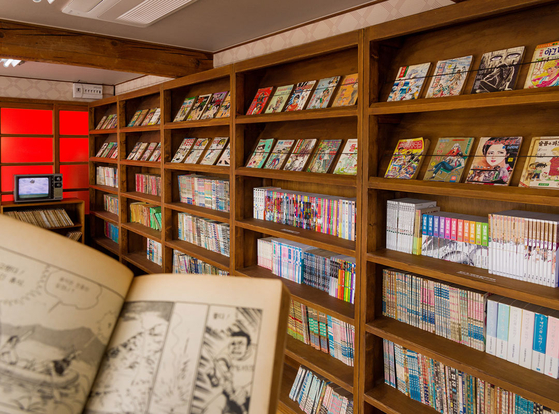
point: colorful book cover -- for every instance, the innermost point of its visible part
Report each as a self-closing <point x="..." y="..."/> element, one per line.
<point x="141" y="117"/>
<point x="156" y="153"/>
<point x="449" y="159"/>
<point x="134" y="118"/>
<point x="324" y="156"/>
<point x="407" y="158"/>
<point x="347" y="163"/>
<point x="156" y="117"/>
<point x="544" y="70"/>
<point x="198" y="107"/>
<point x="279" y="99"/>
<point x="542" y="164"/>
<point x="183" y="149"/>
<point x="185" y="109"/>
<point x="225" y="159"/>
<point x="494" y="160"/>
<point x="101" y="122"/>
<point x="148" y="117"/>
<point x="225" y="107"/>
<point x="108" y="149"/>
<point x="323" y="92"/>
<point x="259" y="101"/>
<point x="140" y="151"/>
<point x="102" y="149"/>
<point x="134" y="150"/>
<point x="213" y="106"/>
<point x="108" y="121"/>
<point x="347" y="94"/>
<point x="408" y="83"/>
<point x="148" y="151"/>
<point x="279" y="154"/>
<point x="449" y="77"/>
<point x="261" y="152"/>
<point x="197" y="151"/>
<point x="114" y="153"/>
<point x="300" y="96"/>
<point x="214" y="151"/>
<point x="498" y="70"/>
<point x="300" y="155"/>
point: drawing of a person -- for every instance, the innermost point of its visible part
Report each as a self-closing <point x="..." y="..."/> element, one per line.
<point x="500" y="78"/>
<point x="538" y="169"/>
<point x="554" y="163"/>
<point x="294" y="103"/>
<point x="8" y="352"/>
<point x="277" y="104"/>
<point x="453" y="160"/>
<point x="549" y="76"/>
<point x="496" y="154"/>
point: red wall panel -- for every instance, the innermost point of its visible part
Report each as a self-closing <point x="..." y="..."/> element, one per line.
<point x="74" y="123"/>
<point x="26" y="121"/>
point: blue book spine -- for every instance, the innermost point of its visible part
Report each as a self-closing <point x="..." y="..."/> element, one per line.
<point x="502" y="330"/>
<point x="540" y="340"/>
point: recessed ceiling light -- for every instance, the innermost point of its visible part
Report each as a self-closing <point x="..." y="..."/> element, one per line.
<point x="11" y="62"/>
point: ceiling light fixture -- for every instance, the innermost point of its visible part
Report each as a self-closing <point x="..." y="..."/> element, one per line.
<point x="11" y="62"/>
<point x="38" y="1"/>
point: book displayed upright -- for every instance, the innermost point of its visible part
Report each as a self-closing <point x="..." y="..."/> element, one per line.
<point x="407" y="158"/>
<point x="279" y="154"/>
<point x="300" y="96"/>
<point x="260" y="154"/>
<point x="541" y="169"/>
<point x="183" y="149"/>
<point x="544" y="67"/>
<point x="280" y="98"/>
<point x="198" y="107"/>
<point x="347" y="163"/>
<point x="300" y="155"/>
<point x="409" y="82"/>
<point x="498" y="70"/>
<point x="494" y="160"/>
<point x="449" y="159"/>
<point x="197" y="150"/>
<point x="324" y="156"/>
<point x="215" y="149"/>
<point x="449" y="77"/>
<point x="348" y="91"/>
<point x="260" y="100"/>
<point x="184" y="109"/>
<point x="323" y="93"/>
<point x="213" y="106"/>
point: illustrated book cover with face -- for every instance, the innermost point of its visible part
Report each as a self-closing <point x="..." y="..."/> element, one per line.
<point x="544" y="69"/>
<point x="225" y="159"/>
<point x="80" y="334"/>
<point x="300" y="155"/>
<point x="348" y="91"/>
<point x="197" y="150"/>
<point x="347" y="163"/>
<point x="324" y="156"/>
<point x="260" y="154"/>
<point x="185" y="109"/>
<point x="198" y="107"/>
<point x="323" y="92"/>
<point x="498" y="70"/>
<point x="214" y="151"/>
<point x="300" y="96"/>
<point x="409" y="82"/>
<point x="494" y="160"/>
<point x="449" y="159"/>
<point x="449" y="77"/>
<point x="225" y="107"/>
<point x="278" y="101"/>
<point x="183" y="149"/>
<point x="260" y="100"/>
<point x="407" y="158"/>
<point x="279" y="154"/>
<point x="214" y="104"/>
<point x="541" y="169"/>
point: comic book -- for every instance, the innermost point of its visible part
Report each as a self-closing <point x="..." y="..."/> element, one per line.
<point x="156" y="118"/>
<point x="498" y="70"/>
<point x="109" y="121"/>
<point x="300" y="96"/>
<point x="149" y="151"/>
<point x="214" y="151"/>
<point x="324" y="156"/>
<point x="141" y="117"/>
<point x="102" y="149"/>
<point x="409" y="82"/>
<point x="213" y="106"/>
<point x="300" y="155"/>
<point x="114" y="153"/>
<point x="134" y="118"/>
<point x="449" y="159"/>
<point x="542" y="164"/>
<point x="407" y="158"/>
<point x="225" y="159"/>
<point x="197" y="150"/>
<point x="156" y="156"/>
<point x="347" y="94"/>
<point x="323" y="92"/>
<point x="279" y="154"/>
<point x="260" y="154"/>
<point x="79" y="334"/>
<point x="185" y="109"/>
<point x="134" y="151"/>
<point x="198" y="107"/>
<point x="259" y="101"/>
<point x="101" y="122"/>
<point x="148" y="117"/>
<point x="544" y="69"/>
<point x="279" y="99"/>
<point x="494" y="161"/>
<point x="225" y="107"/>
<point x="449" y="77"/>
<point x="347" y="163"/>
<point x="140" y="151"/>
<point x="183" y="149"/>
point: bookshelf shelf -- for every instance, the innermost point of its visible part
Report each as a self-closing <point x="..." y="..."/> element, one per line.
<point x="148" y="198"/>
<point x="105" y="215"/>
<point x="213" y="258"/>
<point x="141" y="128"/>
<point x="210" y="169"/>
<point x="304" y="177"/>
<point x="103" y="131"/>
<point x="199" y="211"/>
<point x="104" y="188"/>
<point x="142" y="230"/>
<point x="140" y="260"/>
<point x="148" y="164"/>
<point x="327" y="113"/>
<point x="107" y="244"/>
<point x="286" y="405"/>
<point x="198" y="124"/>
<point x="392" y="401"/>
<point x="103" y="160"/>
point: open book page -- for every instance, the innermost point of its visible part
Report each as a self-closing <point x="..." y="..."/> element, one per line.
<point x="59" y="301"/>
<point x="194" y="344"/>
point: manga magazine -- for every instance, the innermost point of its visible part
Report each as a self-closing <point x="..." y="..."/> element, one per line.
<point x="324" y="156"/>
<point x="449" y="77"/>
<point x="347" y="163"/>
<point x="494" y="160"/>
<point x="407" y="158"/>
<point x="544" y="70"/>
<point x="449" y="159"/>
<point x="279" y="99"/>
<point x="408" y="83"/>
<point x="498" y="70"/>
<point x="542" y="164"/>
<point x="323" y="92"/>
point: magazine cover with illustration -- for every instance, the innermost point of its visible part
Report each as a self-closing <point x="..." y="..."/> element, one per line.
<point x="347" y="163"/>
<point x="407" y="158"/>
<point x="324" y="156"/>
<point x="494" y="160"/>
<point x="259" y="101"/>
<point x="300" y="96"/>
<point x="449" y="77"/>
<point x="279" y="99"/>
<point x="542" y="164"/>
<point x="408" y="83"/>
<point x="498" y="70"/>
<point x="279" y="154"/>
<point x="199" y="107"/>
<point x="261" y="152"/>
<point x="300" y="155"/>
<point x="323" y="92"/>
<point x="544" y="70"/>
<point x="449" y="159"/>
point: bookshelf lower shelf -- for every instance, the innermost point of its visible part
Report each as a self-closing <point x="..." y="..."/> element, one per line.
<point x="107" y="244"/>
<point x="391" y="401"/>
<point x="140" y="260"/>
<point x="105" y="215"/>
<point x="143" y="231"/>
<point x="215" y="259"/>
<point x="285" y="404"/>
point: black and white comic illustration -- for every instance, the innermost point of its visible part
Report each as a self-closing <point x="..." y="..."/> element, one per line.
<point x="498" y="70"/>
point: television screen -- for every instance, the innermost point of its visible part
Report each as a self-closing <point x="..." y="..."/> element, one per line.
<point x="30" y="188"/>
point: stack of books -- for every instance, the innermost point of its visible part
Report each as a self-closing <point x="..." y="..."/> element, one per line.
<point x="148" y="184"/>
<point x="209" y="234"/>
<point x="146" y="214"/>
<point x="183" y="263"/>
<point x="203" y="191"/>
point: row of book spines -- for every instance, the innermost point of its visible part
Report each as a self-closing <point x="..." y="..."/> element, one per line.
<point x="443" y="309"/>
<point x="144" y="117"/>
<point x="316" y="395"/>
<point x="110" y="203"/>
<point x="74" y="235"/>
<point x="111" y="232"/>
<point x="48" y="219"/>
<point x="107" y="176"/>
<point x="447" y="389"/>
<point x="318" y="212"/>
<point x="145" y="151"/>
<point x="323" y="332"/>
<point x="203" y="191"/>
<point x="148" y="184"/>
<point x="524" y="334"/>
<point x="146" y="214"/>
<point x="183" y="263"/>
<point x="154" y="251"/>
<point x="108" y="122"/>
<point x="209" y="234"/>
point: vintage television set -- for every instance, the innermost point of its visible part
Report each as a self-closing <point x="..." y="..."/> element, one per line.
<point x="31" y="188"/>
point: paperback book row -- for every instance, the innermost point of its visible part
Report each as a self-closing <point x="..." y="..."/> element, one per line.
<point x="447" y="389"/>
<point x="108" y="150"/>
<point x="295" y="97"/>
<point x="144" y="117"/>
<point x="443" y="309"/>
<point x="74" y="235"/>
<point x="109" y="121"/>
<point x="317" y="395"/>
<point x="110" y="203"/>
<point x="524" y="334"/>
<point x="492" y="164"/>
<point x="207" y="106"/>
<point x="205" y="151"/>
<point x="107" y="176"/>
<point x="148" y="184"/>
<point x="154" y="251"/>
<point x="323" y="332"/>
<point x="498" y="71"/>
<point x="111" y="232"/>
<point x="204" y="191"/>
<point x="209" y="234"/>
<point x="145" y="151"/>
<point x="183" y="263"/>
<point x="330" y="272"/>
<point x="47" y="219"/>
<point x="146" y="214"/>
<point x="305" y="155"/>
<point x="310" y="211"/>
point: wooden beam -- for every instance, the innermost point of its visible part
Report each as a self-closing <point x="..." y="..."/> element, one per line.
<point x="51" y="45"/>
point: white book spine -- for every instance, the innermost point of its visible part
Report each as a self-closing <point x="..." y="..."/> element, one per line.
<point x="491" y="338"/>
<point x="552" y="347"/>
<point x="515" y="321"/>
<point x="526" y="339"/>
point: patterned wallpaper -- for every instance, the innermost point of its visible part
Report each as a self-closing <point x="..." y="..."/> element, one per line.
<point x="139" y="83"/>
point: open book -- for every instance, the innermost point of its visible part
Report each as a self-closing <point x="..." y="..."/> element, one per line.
<point x="78" y="335"/>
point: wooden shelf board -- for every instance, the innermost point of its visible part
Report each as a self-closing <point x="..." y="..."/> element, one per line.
<point x="285" y="404"/>
<point x="199" y="211"/>
<point x="148" y="198"/>
<point x="310" y="237"/>
<point x="140" y="260"/>
<point x="512" y="377"/>
<point x="482" y="100"/>
<point x="467" y="276"/>
<point x="63" y="227"/>
<point x="142" y="231"/>
<point x="141" y="128"/>
<point x="307" y="295"/>
<point x="215" y="259"/>
<point x="103" y="160"/>
<point x="212" y="169"/>
<point x="107" y="244"/>
<point x="105" y="215"/>
<point x="321" y="363"/>
<point x="103" y="131"/>
<point x="338" y="112"/>
<point x="198" y="124"/>
<point x="391" y="401"/>
<point x="306" y="177"/>
<point x="132" y="163"/>
<point x="105" y="188"/>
